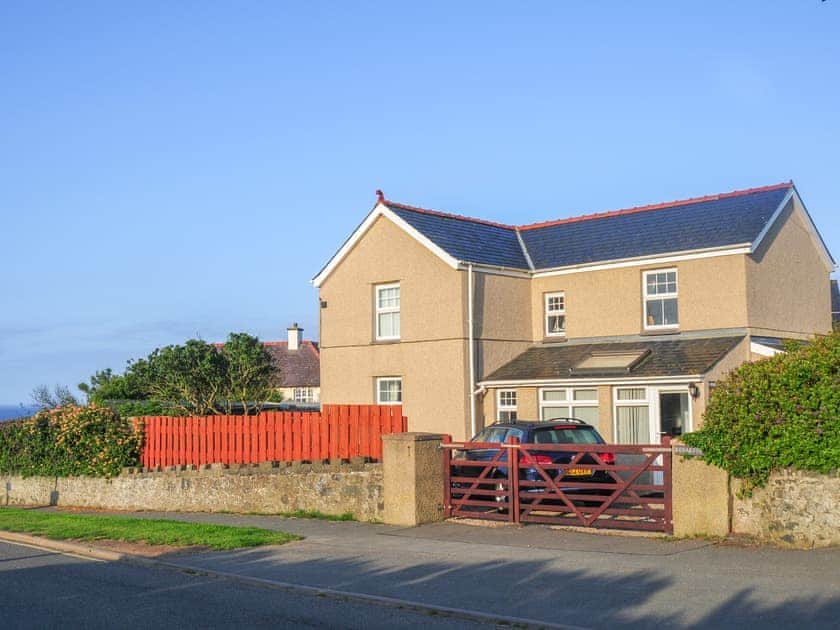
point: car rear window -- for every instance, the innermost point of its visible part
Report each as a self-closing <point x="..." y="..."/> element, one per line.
<point x="492" y="434"/>
<point x="497" y="435"/>
<point x="566" y="435"/>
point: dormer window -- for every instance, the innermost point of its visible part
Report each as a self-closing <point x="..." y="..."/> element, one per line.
<point x="660" y="297"/>
<point x="555" y="314"/>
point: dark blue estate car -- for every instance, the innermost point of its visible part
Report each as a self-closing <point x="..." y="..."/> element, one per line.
<point x="566" y="431"/>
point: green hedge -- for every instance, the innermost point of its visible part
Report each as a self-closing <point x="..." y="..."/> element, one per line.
<point x="781" y="412"/>
<point x="71" y="440"/>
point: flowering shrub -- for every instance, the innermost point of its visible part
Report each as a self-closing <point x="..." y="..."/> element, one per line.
<point x="67" y="441"/>
<point x="776" y="413"/>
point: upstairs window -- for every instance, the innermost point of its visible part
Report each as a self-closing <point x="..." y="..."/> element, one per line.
<point x="555" y="314"/>
<point x="387" y="306"/>
<point x="506" y="411"/>
<point x="660" y="296"/>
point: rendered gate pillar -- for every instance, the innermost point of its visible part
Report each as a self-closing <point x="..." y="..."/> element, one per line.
<point x="412" y="467"/>
<point x="701" y="496"/>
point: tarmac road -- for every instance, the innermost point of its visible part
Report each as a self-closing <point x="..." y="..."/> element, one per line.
<point x="571" y="579"/>
<point x="42" y="589"/>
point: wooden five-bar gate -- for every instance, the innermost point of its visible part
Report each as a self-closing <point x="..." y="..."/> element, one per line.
<point x="337" y="431"/>
<point x="598" y="485"/>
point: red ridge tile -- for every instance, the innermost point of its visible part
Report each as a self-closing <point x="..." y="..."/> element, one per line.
<point x="656" y="206"/>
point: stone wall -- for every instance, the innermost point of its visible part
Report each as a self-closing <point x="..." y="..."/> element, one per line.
<point x="795" y="508"/>
<point x="267" y="489"/>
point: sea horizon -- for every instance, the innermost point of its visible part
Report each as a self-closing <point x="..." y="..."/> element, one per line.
<point x="10" y="412"/>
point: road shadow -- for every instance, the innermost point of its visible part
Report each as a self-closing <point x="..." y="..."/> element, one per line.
<point x="536" y="589"/>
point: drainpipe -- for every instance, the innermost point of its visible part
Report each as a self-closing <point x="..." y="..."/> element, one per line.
<point x="472" y="347"/>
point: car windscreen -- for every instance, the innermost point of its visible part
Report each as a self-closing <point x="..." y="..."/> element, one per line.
<point x="566" y="435"/>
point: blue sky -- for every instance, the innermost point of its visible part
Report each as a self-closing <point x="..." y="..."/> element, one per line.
<point x="170" y="170"/>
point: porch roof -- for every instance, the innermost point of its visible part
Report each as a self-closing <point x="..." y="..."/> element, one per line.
<point x="669" y="357"/>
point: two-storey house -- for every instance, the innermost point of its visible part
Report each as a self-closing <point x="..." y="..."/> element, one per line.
<point x="625" y="319"/>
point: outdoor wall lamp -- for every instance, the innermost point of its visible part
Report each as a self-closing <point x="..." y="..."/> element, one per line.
<point x="693" y="390"/>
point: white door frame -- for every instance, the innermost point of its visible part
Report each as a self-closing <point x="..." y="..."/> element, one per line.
<point x="656" y="410"/>
<point x="652" y="393"/>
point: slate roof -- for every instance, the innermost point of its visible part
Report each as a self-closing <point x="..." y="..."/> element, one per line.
<point x="835" y="301"/>
<point x="297" y="368"/>
<point x="470" y="240"/>
<point x="706" y="222"/>
<point x="672" y="357"/>
<point x="715" y="222"/>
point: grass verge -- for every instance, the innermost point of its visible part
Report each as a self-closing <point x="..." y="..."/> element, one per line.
<point x="347" y="516"/>
<point x="150" y="531"/>
<point x="318" y="515"/>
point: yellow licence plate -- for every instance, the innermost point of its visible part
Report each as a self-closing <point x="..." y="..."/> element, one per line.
<point x="578" y="472"/>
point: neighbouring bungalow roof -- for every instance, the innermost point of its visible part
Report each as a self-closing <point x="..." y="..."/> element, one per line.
<point x="298" y="368"/>
<point x="294" y="368"/>
<point x="672" y="357"/>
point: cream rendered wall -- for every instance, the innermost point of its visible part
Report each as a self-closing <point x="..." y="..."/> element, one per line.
<point x="738" y="355"/>
<point x="502" y="316"/>
<point x="788" y="287"/>
<point x="431" y="294"/>
<point x="527" y="404"/>
<point x="431" y="353"/>
<point x="605" y="412"/>
<point x="609" y="302"/>
<point x="487" y="404"/>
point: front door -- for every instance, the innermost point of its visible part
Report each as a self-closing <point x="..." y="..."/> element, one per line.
<point x="674" y="413"/>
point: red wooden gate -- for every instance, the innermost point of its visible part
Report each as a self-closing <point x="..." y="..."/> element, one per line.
<point x="601" y="485"/>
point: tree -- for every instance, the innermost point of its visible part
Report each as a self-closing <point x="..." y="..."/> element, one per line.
<point x="60" y="396"/>
<point x="191" y="376"/>
<point x="106" y="386"/>
<point x="191" y="379"/>
<point x="248" y="372"/>
<point x="779" y="412"/>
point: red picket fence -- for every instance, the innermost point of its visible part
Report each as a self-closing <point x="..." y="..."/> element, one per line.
<point x="337" y="431"/>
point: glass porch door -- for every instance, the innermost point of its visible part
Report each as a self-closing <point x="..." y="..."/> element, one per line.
<point x="644" y="414"/>
<point x="674" y="413"/>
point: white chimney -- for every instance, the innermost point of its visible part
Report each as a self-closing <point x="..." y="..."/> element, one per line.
<point x="295" y="336"/>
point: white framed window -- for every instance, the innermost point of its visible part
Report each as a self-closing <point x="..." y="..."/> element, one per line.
<point x="387" y="307"/>
<point x="567" y="402"/>
<point x="555" y="314"/>
<point x="304" y="395"/>
<point x="389" y="390"/>
<point x="660" y="292"/>
<point x="506" y="405"/>
<point x="632" y="416"/>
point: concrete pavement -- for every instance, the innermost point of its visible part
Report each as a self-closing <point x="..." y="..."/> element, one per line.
<point x="576" y="579"/>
